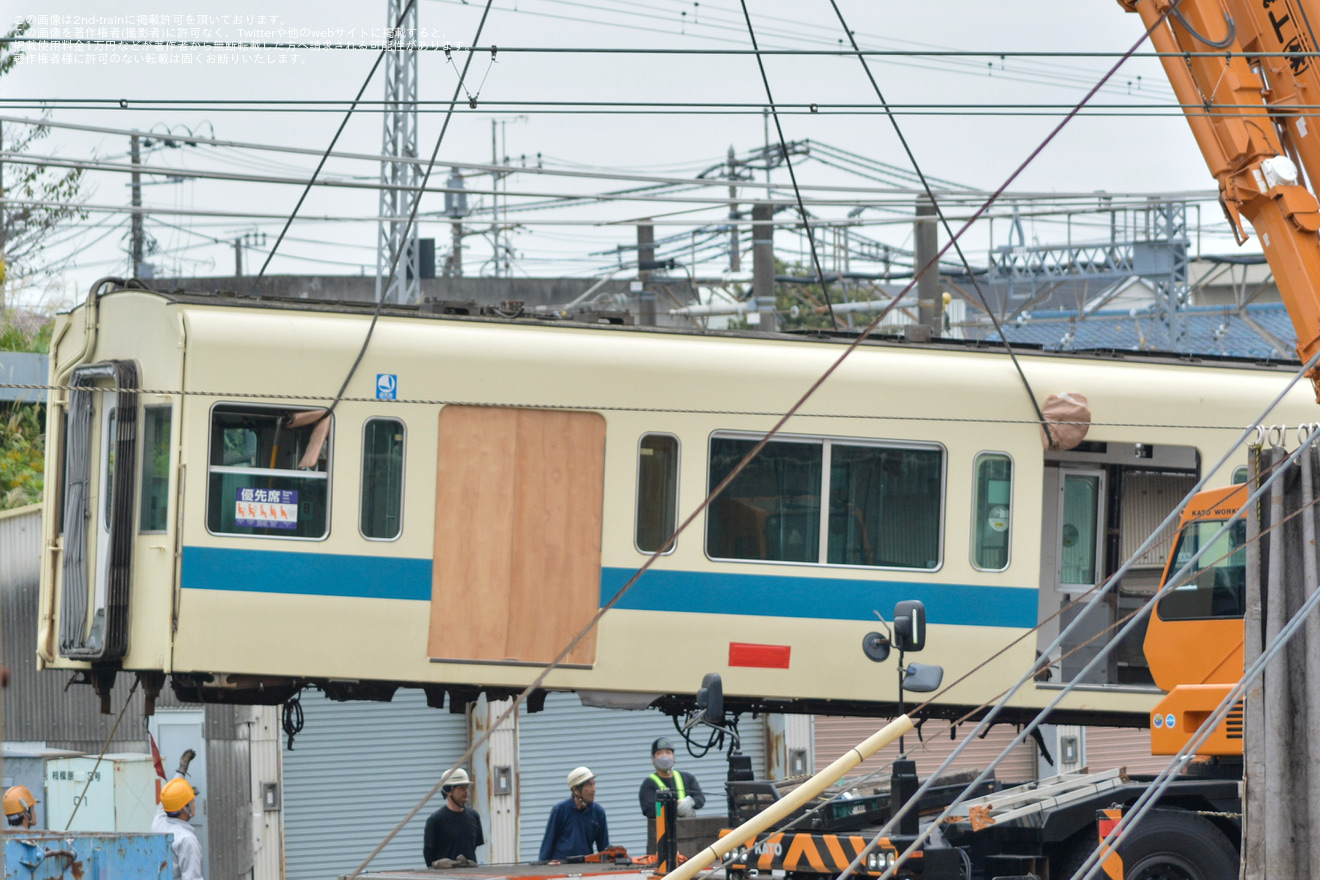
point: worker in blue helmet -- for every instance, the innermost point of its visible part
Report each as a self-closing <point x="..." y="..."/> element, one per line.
<point x="685" y="785"/>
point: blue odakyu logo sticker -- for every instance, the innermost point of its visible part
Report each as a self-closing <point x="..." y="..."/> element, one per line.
<point x="387" y="386"/>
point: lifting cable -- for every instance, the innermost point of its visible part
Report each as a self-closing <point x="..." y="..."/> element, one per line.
<point x="792" y="175"/>
<point x="311" y="181"/>
<point x="944" y="221"/>
<point x="412" y="215"/>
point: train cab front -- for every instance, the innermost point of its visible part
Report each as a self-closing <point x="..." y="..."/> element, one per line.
<point x="1194" y="641"/>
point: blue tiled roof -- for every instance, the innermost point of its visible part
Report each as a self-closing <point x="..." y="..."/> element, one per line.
<point x="1205" y="330"/>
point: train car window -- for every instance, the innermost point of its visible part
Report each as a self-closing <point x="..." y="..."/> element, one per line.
<point x="153" y="515"/>
<point x="771" y="511"/>
<point x="261" y="481"/>
<point x="657" y="491"/>
<point x="1239" y="475"/>
<point x="992" y="511"/>
<point x="885" y="506"/>
<point x="381" y="515"/>
<point x="1216" y="584"/>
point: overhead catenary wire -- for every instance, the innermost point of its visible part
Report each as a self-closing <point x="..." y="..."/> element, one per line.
<point x="407" y="7"/>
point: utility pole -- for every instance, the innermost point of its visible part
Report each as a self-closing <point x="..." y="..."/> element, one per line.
<point x="495" y="194"/>
<point x="455" y="209"/>
<point x="399" y="180"/>
<point x="645" y="258"/>
<point x="925" y="237"/>
<point x="238" y="257"/>
<point x="735" y="258"/>
<point x="763" y="264"/>
<point x="137" y="243"/>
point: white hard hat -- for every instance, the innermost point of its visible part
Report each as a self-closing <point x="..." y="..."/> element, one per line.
<point x="579" y="776"/>
<point x="456" y="777"/>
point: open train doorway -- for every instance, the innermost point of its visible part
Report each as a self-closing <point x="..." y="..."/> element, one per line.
<point x="1101" y="501"/>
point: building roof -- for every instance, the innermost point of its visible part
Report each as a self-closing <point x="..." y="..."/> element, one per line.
<point x="1261" y="331"/>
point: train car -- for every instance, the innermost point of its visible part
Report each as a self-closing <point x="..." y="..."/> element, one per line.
<point x="486" y="483"/>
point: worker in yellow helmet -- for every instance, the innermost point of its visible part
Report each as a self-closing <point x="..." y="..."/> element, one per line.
<point x="20" y="807"/>
<point x="178" y="804"/>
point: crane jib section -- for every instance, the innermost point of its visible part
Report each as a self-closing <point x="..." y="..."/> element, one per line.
<point x="1248" y="84"/>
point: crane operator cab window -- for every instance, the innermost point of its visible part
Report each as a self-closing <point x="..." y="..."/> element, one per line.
<point x="1215" y="585"/>
<point x="269" y="472"/>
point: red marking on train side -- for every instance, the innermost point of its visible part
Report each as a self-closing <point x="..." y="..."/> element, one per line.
<point x="758" y="656"/>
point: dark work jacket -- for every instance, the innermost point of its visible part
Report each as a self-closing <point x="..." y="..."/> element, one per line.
<point x="573" y="832"/>
<point x="450" y="834"/>
<point x="690" y="787"/>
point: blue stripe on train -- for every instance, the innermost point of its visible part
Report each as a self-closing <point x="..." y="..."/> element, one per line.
<point x="770" y="595"/>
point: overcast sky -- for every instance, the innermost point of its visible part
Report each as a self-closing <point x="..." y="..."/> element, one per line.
<point x="1116" y="151"/>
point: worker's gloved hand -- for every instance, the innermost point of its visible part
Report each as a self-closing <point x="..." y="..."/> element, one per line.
<point x="687" y="807"/>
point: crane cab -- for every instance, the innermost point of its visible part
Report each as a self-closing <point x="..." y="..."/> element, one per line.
<point x="1194" y="641"/>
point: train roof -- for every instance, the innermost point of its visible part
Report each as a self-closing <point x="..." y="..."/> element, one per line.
<point x="611" y="321"/>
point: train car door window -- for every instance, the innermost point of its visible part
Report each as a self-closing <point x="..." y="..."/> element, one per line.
<point x="992" y="511"/>
<point x="1081" y="526"/>
<point x="269" y="473"/>
<point x="771" y="510"/>
<point x="381" y="514"/>
<point x="154" y="511"/>
<point x="657" y="491"/>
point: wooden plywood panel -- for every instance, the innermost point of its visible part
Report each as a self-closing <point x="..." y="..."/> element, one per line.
<point x="556" y="569"/>
<point x="473" y="550"/>
<point x="519" y="499"/>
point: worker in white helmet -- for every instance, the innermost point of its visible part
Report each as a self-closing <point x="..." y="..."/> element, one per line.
<point x="577" y="824"/>
<point x="453" y="832"/>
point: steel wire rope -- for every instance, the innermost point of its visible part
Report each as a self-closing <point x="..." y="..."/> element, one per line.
<point x="91" y="774"/>
<point x="1166" y="776"/>
<point x="751" y="455"/>
<point x="1100" y="655"/>
<point x="948" y="230"/>
<point x="261" y="273"/>
<point x="792" y="175"/>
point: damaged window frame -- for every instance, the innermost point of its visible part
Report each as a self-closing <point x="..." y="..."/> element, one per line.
<point x="307" y="469"/>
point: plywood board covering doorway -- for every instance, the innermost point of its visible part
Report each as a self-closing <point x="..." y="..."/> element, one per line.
<point x="518" y="506"/>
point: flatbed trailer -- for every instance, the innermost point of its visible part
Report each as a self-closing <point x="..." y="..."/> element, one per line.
<point x="1042" y="829"/>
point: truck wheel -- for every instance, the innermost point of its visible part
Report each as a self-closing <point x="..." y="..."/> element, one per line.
<point x="1176" y="845"/>
<point x="1168" y="845"/>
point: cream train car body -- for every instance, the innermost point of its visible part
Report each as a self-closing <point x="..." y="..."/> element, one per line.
<point x="486" y="485"/>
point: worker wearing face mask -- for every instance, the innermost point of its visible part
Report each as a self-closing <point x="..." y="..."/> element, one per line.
<point x="685" y="785"/>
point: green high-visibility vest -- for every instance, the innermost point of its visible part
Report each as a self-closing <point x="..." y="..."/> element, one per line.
<point x="682" y="789"/>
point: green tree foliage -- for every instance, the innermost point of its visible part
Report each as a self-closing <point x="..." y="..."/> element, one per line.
<point x="25" y="229"/>
<point x="22" y="455"/>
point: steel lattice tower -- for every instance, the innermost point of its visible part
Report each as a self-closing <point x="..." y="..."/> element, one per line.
<point x="399" y="180"/>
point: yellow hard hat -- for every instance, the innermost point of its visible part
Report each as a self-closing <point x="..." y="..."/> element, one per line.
<point x="19" y="799"/>
<point x="176" y="794"/>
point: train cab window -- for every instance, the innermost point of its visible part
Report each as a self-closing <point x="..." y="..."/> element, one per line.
<point x="153" y="516"/>
<point x="992" y="511"/>
<point x="885" y="503"/>
<point x="381" y="516"/>
<point x="1216" y="584"/>
<point x="657" y="491"/>
<point x="269" y="472"/>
